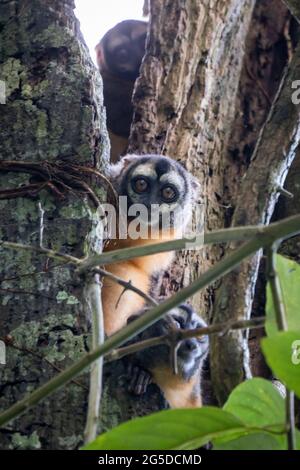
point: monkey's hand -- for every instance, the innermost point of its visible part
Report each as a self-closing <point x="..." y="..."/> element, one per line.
<point x="139" y="379"/>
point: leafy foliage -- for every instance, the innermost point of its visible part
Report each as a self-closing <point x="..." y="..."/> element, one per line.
<point x="255" y="410"/>
<point x="253" y="417"/>
<point x="256" y="402"/>
<point x="282" y="352"/>
<point x="289" y="276"/>
<point x="170" y="429"/>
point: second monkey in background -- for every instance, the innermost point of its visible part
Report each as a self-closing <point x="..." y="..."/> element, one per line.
<point x="119" y="57"/>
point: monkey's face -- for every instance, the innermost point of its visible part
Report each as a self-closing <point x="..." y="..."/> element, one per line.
<point x="122" y="48"/>
<point x="161" y="186"/>
<point x="192" y="351"/>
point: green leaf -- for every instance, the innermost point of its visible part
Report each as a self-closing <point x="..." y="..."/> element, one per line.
<point x="170" y="429"/>
<point x="257" y="403"/>
<point x="282" y="352"/>
<point x="258" y="441"/>
<point x="289" y="276"/>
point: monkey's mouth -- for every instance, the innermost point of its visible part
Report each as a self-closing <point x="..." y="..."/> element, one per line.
<point x="192" y="349"/>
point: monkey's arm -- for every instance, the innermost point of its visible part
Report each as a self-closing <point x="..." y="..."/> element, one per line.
<point x="178" y="392"/>
<point x="118" y="305"/>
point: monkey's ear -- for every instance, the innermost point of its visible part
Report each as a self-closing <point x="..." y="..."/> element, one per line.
<point x="100" y="56"/>
<point x="115" y="170"/>
<point x="128" y="159"/>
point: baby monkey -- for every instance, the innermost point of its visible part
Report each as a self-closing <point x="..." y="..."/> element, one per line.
<point x="154" y="364"/>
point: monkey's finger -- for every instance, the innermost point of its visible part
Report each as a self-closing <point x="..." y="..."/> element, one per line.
<point x="134" y="372"/>
<point x="143" y="381"/>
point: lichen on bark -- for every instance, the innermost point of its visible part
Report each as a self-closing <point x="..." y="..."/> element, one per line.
<point x="53" y="113"/>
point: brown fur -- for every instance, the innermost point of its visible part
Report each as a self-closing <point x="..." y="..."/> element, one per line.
<point x="119" y="306"/>
<point x="118" y="89"/>
<point x="178" y="392"/>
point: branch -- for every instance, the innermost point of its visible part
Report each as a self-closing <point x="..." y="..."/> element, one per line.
<point x="10" y="343"/>
<point x="93" y="299"/>
<point x="33" y="273"/>
<point x="115" y="256"/>
<point x="43" y="251"/>
<point x="218" y="236"/>
<point x="179" y="335"/>
<point x="59" y="178"/>
<point x="281" y="321"/>
<point x="126" y="285"/>
<point x="276" y="291"/>
<point x="268" y="236"/>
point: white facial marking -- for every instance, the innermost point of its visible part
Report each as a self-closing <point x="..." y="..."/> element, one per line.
<point x="172" y="177"/>
<point x="145" y="169"/>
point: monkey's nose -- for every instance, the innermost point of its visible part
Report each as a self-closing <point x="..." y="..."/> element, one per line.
<point x="190" y="344"/>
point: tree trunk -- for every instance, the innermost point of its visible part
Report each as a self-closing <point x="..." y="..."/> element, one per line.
<point x="255" y="203"/>
<point x="209" y="76"/>
<point x="198" y="100"/>
<point x="53" y="115"/>
<point x="208" y="79"/>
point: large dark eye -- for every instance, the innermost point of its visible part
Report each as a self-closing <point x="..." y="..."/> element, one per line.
<point x="179" y="321"/>
<point x="140" y="185"/>
<point x="169" y="194"/>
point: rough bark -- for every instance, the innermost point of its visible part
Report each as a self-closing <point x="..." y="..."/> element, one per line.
<point x="227" y="138"/>
<point x="212" y="125"/>
<point x="255" y="204"/>
<point x="53" y="113"/>
<point x="192" y="102"/>
<point x="185" y="107"/>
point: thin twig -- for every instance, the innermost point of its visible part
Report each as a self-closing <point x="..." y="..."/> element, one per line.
<point x="283" y="229"/>
<point x="41" y="234"/>
<point x="25" y="292"/>
<point x="275" y="286"/>
<point x="258" y="82"/>
<point x="10" y="343"/>
<point x="93" y="299"/>
<point x="174" y="337"/>
<point x="281" y="320"/>
<point x="266" y="234"/>
<point x="127" y="285"/>
<point x="107" y="182"/>
<point x="59" y="178"/>
<point x="43" y="251"/>
<point x="284" y="192"/>
<point x="33" y="273"/>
